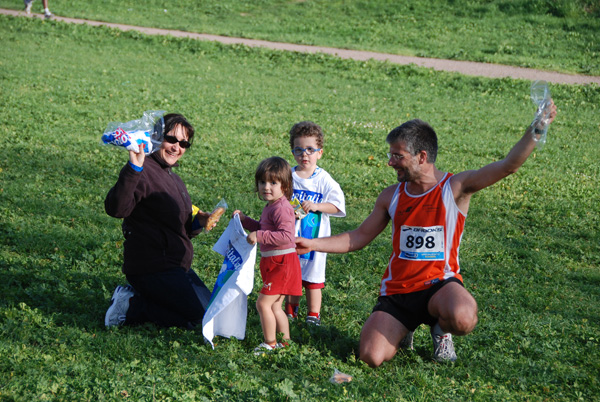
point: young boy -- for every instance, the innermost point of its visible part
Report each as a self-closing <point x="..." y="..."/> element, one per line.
<point x="320" y="197"/>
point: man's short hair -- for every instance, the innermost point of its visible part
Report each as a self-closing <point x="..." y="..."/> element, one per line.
<point x="418" y="136"/>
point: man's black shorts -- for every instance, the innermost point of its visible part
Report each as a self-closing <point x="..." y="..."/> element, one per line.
<point x="411" y="308"/>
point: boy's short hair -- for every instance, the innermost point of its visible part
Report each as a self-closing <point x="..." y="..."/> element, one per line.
<point x="306" y="129"/>
<point x="276" y="169"/>
<point x="418" y="136"/>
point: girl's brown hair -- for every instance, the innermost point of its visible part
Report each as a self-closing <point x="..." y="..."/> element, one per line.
<point x="275" y="169"/>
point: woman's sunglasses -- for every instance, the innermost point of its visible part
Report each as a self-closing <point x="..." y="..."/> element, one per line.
<point x="171" y="139"/>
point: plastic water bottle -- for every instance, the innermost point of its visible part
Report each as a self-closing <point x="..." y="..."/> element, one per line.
<point x="147" y="131"/>
<point x="540" y="96"/>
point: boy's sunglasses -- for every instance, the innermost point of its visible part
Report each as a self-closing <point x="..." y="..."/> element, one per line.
<point x="171" y="139"/>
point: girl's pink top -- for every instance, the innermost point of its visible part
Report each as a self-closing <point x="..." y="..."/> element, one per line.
<point x="276" y="228"/>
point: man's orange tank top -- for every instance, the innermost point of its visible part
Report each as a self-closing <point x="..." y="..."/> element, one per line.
<point x="426" y="234"/>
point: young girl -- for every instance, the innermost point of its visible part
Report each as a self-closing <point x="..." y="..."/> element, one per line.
<point x="279" y="263"/>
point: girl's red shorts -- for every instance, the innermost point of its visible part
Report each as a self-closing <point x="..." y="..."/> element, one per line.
<point x="281" y="275"/>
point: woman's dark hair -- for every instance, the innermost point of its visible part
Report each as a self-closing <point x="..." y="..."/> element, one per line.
<point x="275" y="169"/>
<point x="173" y="120"/>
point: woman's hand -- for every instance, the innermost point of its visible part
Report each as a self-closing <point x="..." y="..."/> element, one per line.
<point x="205" y="222"/>
<point x="202" y="218"/>
<point x="137" y="158"/>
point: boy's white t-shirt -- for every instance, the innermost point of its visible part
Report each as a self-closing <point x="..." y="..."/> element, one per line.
<point x="318" y="188"/>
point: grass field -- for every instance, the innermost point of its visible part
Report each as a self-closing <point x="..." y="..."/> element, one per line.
<point x="530" y="254"/>
<point x="559" y="35"/>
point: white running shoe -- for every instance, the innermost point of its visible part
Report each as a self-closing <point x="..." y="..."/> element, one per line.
<point x="407" y="342"/>
<point x="48" y="15"/>
<point x="28" y="4"/>
<point x="115" y="315"/>
<point x="310" y="320"/>
<point x="443" y="346"/>
<point x="263" y="348"/>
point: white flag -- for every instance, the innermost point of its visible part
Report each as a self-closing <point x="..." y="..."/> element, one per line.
<point x="228" y="307"/>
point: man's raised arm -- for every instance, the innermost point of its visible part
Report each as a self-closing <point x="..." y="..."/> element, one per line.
<point x="466" y="183"/>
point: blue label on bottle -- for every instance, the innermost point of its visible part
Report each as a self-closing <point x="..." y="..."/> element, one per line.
<point x="309" y="229"/>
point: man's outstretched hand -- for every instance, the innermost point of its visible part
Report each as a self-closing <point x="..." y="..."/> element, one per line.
<point x="303" y="245"/>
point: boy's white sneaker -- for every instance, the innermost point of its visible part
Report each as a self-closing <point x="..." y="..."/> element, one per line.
<point x="312" y="320"/>
<point x="48" y="15"/>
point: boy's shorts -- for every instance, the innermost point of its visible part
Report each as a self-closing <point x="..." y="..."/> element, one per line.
<point x="411" y="308"/>
<point x="281" y="275"/>
<point x="311" y="285"/>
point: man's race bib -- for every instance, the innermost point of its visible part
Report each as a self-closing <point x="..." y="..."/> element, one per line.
<point x="422" y="243"/>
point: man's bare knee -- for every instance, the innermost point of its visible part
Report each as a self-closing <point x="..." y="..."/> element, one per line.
<point x="374" y="353"/>
<point x="379" y="338"/>
<point x="372" y="360"/>
<point x="464" y="320"/>
<point x="464" y="327"/>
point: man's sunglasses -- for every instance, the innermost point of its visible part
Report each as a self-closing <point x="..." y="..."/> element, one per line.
<point x="171" y="139"/>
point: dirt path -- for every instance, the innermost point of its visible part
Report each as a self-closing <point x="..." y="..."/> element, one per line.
<point x="462" y="67"/>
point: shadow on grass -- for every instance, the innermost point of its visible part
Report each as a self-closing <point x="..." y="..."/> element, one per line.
<point x="56" y="290"/>
<point x="340" y="344"/>
<point x="59" y="254"/>
<point x="586" y="301"/>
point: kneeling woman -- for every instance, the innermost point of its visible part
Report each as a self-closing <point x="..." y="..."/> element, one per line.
<point x="158" y="226"/>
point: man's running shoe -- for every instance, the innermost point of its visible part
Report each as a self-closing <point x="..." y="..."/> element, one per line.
<point x="443" y="346"/>
<point x="407" y="342"/>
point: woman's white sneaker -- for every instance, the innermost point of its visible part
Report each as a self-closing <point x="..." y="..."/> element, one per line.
<point x="116" y="313"/>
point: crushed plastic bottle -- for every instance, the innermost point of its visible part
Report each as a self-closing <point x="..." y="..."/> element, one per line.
<point x="147" y="131"/>
<point x="339" y="378"/>
<point x="540" y="96"/>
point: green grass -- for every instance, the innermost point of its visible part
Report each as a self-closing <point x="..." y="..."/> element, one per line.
<point x="559" y="35"/>
<point x="530" y="253"/>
